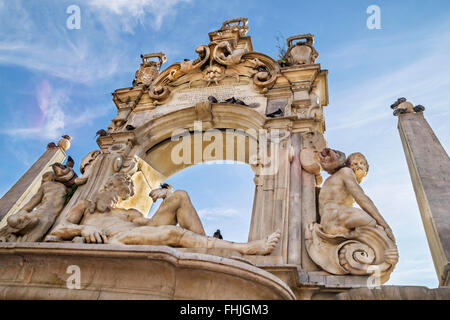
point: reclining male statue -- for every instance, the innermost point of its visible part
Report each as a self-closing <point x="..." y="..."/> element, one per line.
<point x="101" y="221"/>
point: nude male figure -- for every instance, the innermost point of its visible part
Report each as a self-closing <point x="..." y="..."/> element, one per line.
<point x="176" y="208"/>
<point x="37" y="216"/>
<point x="340" y="191"/>
<point x="100" y="221"/>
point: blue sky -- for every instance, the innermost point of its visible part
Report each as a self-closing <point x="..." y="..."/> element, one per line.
<point x="55" y="81"/>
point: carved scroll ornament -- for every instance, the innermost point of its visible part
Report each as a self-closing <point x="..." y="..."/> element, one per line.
<point x="215" y="62"/>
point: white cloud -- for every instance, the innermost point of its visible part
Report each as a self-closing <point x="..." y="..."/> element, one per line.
<point x="50" y="120"/>
<point x="424" y="80"/>
<point x="42" y="43"/>
<point x="53" y="115"/>
<point x="132" y="13"/>
<point x="409" y="271"/>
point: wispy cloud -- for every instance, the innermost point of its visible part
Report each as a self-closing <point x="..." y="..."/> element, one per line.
<point x="423" y="80"/>
<point x="42" y="42"/>
<point x="410" y="269"/>
<point x="52" y="115"/>
<point x="217" y="213"/>
<point x="47" y="117"/>
<point x="132" y="13"/>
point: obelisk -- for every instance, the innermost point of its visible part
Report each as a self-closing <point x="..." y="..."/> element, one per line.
<point x="429" y="167"/>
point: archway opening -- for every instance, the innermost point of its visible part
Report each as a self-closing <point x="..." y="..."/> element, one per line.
<point x="222" y="194"/>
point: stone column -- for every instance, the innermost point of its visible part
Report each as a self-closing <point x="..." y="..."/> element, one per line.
<point x="429" y="167"/>
<point x="29" y="183"/>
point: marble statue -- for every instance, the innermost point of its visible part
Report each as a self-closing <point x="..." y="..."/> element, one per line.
<point x="101" y="221"/>
<point x="31" y="223"/>
<point x="338" y="194"/>
<point x="349" y="240"/>
<point x="64" y="173"/>
<point x="176" y="208"/>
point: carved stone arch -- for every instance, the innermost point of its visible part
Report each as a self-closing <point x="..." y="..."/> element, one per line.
<point x="154" y="146"/>
<point x="185" y="94"/>
<point x="160" y="135"/>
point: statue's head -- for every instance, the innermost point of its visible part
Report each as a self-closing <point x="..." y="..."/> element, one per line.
<point x="331" y="160"/>
<point x="59" y="169"/>
<point x="358" y="163"/>
<point x="118" y="187"/>
<point x="162" y="192"/>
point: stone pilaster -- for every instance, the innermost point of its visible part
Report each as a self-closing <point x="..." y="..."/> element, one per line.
<point x="295" y="196"/>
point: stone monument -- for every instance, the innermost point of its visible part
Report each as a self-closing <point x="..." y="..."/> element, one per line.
<point x="429" y="167"/>
<point x="306" y="240"/>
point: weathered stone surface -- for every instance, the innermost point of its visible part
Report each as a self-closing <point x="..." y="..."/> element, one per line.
<point x="175" y="223"/>
<point x="301" y="52"/>
<point x="39" y="271"/>
<point x="228" y="86"/>
<point x="429" y="167"/>
<point x="29" y="183"/>
<point x="395" y="293"/>
<point x="35" y="218"/>
<point x="349" y="240"/>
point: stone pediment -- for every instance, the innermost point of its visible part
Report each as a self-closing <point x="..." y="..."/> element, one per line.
<point x="220" y="63"/>
<point x="228" y="59"/>
<point x="228" y="71"/>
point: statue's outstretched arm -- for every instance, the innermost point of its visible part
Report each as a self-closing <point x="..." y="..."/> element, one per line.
<point x="361" y="198"/>
<point x="136" y="217"/>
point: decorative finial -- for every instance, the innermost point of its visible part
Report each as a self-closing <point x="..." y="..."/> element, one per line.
<point x="149" y="69"/>
<point x="302" y="51"/>
<point x="402" y="106"/>
<point x="64" y="142"/>
<point x="237" y="22"/>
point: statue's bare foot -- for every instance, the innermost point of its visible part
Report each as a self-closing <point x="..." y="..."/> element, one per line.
<point x="264" y="246"/>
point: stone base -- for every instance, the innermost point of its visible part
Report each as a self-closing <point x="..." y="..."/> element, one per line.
<point x="40" y="271"/>
<point x="396" y="293"/>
